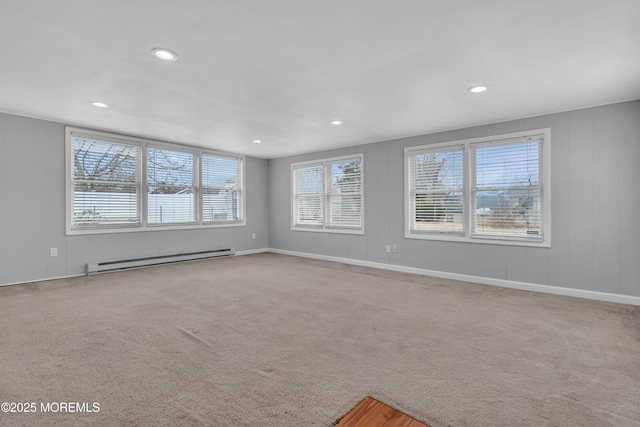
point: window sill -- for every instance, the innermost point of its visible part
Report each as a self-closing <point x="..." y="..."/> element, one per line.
<point x="487" y="240"/>
<point x="173" y="227"/>
<point x="330" y="230"/>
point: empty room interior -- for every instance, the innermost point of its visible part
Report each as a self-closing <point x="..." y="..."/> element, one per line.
<point x="274" y="213"/>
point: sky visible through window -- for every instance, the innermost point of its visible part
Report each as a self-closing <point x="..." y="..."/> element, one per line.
<point x="508" y="165"/>
<point x="219" y="172"/>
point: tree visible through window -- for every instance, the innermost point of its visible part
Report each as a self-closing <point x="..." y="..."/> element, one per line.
<point x="345" y="194"/>
<point x="437" y="193"/>
<point x="181" y="186"/>
<point x="106" y="183"/>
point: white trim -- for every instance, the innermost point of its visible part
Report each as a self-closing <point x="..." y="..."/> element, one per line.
<point x="334" y="230"/>
<point x="511" y="284"/>
<point x="158" y="227"/>
<point x="41" y="280"/>
<point x="322" y="161"/>
<point x="238" y="253"/>
<point x="128" y="139"/>
<point x="500" y="139"/>
<point x="252" y="251"/>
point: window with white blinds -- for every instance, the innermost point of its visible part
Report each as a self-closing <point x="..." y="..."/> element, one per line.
<point x="170" y="186"/>
<point x="344" y="193"/>
<point x="327" y="195"/>
<point x="437" y="189"/>
<point x="507" y="190"/>
<point x="107" y="190"/>
<point x="106" y="184"/>
<point x="495" y="189"/>
<point x="308" y="196"/>
<point x="221" y="188"/>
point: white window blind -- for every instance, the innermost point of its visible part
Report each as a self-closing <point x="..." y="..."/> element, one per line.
<point x="105" y="183"/>
<point x="327" y="195"/>
<point x="344" y="193"/>
<point x="308" y="195"/>
<point x="436" y="191"/>
<point x="507" y="193"/>
<point x="221" y="188"/>
<point x="170" y="183"/>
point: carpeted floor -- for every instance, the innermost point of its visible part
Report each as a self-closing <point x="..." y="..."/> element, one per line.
<point x="273" y="340"/>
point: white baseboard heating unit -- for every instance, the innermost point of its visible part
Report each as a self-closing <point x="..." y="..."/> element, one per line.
<point x="105" y="266"/>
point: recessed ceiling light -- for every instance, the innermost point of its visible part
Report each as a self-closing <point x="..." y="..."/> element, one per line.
<point x="257" y="141"/>
<point x="164" y="54"/>
<point x="336" y="122"/>
<point x="477" y="89"/>
<point x="100" y="104"/>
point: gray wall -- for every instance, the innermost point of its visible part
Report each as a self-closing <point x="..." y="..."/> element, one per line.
<point x="596" y="202"/>
<point x="32" y="211"/>
<point x="595" y="207"/>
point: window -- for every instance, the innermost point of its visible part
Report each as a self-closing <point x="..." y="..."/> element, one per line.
<point x="106" y="184"/>
<point x="327" y="195"/>
<point x="221" y="189"/>
<point x="308" y="195"/>
<point x="436" y="193"/>
<point x="491" y="190"/>
<point x="107" y="190"/>
<point x="506" y="191"/>
<point x="170" y="187"/>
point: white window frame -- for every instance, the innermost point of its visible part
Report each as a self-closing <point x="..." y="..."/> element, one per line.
<point x="325" y="227"/>
<point x="195" y="179"/>
<point x="80" y="133"/>
<point x="239" y="188"/>
<point x="467" y="235"/>
<point x="142" y="200"/>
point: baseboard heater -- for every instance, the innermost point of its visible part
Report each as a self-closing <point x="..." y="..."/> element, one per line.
<point x="105" y="266"/>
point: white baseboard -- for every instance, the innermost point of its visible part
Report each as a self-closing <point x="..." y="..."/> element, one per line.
<point x="247" y="252"/>
<point x="42" y="280"/>
<point x="556" y="290"/>
<point x="252" y="251"/>
<point x="512" y="284"/>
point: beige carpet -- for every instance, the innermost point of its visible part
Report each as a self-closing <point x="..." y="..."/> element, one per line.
<point x="273" y="340"/>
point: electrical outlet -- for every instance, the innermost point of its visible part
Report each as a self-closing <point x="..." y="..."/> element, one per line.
<point x="388" y="249"/>
<point x="53" y="252"/>
<point x="253" y="236"/>
<point x="394" y="249"/>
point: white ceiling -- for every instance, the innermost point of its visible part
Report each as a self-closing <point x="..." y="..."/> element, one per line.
<point x="281" y="70"/>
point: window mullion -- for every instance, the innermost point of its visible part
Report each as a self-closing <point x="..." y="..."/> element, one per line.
<point x="144" y="190"/>
<point x="468" y="159"/>
<point x="326" y="175"/>
<point x="197" y="179"/>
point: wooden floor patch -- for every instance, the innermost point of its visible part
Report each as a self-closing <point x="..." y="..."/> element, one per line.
<point x="372" y="413"/>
